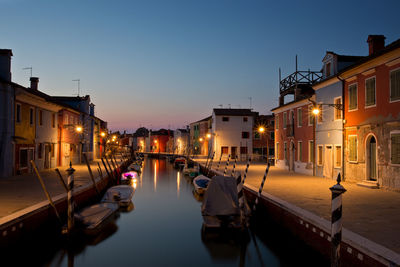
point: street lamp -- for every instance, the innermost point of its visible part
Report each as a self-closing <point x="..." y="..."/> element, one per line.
<point x="261" y="130"/>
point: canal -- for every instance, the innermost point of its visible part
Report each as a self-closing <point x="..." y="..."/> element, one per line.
<point x="163" y="228"/>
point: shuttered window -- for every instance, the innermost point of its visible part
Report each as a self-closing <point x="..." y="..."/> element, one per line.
<point x="320" y="150"/>
<point x="352" y="148"/>
<point x="284" y="120"/>
<point x="277" y="122"/>
<point x="338" y="156"/>
<point x="395" y="148"/>
<point x="337" y="110"/>
<point x="299" y="117"/>
<point x="277" y="151"/>
<point x="353" y="96"/>
<point x="300" y="151"/>
<point x="395" y="85"/>
<point x="311" y="151"/>
<point x="370" y="92"/>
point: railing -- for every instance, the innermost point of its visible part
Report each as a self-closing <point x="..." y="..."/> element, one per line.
<point x="299" y="77"/>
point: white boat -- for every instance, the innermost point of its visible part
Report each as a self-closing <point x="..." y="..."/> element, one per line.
<point x="95" y="217"/>
<point x="191" y="169"/>
<point x="201" y="183"/>
<point x="180" y="162"/>
<point x="121" y="194"/>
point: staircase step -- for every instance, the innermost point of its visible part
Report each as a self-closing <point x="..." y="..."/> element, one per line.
<point x="369" y="184"/>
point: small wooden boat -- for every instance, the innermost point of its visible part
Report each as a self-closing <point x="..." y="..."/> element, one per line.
<point x="191" y="169"/>
<point x="200" y="184"/>
<point x="93" y="218"/>
<point x="135" y="167"/>
<point x="128" y="177"/>
<point x="120" y="194"/>
<point x="179" y="162"/>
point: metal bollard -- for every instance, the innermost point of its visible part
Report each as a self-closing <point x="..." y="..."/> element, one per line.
<point x="71" y="219"/>
<point x="227" y="164"/>
<point x="336" y="219"/>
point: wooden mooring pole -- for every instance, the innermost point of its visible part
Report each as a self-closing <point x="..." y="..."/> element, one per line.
<point x="234" y="166"/>
<point x="61" y="179"/>
<point x="227" y="164"/>
<point x="45" y="190"/>
<point x="70" y="198"/>
<point x="91" y="174"/>
<point x="246" y="170"/>
<point x="261" y="187"/>
<point x="219" y="162"/>
<point x="336" y="220"/>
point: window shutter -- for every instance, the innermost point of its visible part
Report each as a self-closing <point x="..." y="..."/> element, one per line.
<point x="395" y="85"/>
<point x="370" y="92"/>
<point x="395" y="148"/>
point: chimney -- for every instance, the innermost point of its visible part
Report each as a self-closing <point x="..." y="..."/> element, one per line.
<point x="34" y="83"/>
<point x="91" y="109"/>
<point x="375" y="43"/>
<point x="5" y="64"/>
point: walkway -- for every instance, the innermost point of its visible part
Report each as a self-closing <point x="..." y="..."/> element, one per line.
<point x="371" y="213"/>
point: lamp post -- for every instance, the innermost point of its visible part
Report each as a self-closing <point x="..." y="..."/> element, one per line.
<point x="261" y="130"/>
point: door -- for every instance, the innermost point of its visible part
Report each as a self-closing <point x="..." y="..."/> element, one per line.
<point x="291" y="156"/>
<point x="47" y="156"/>
<point x="372" y="159"/>
<point x="233" y="152"/>
<point x="328" y="163"/>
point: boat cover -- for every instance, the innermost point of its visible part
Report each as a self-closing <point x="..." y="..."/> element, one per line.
<point x="221" y="197"/>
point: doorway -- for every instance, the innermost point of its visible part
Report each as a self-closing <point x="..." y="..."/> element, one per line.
<point x="328" y="162"/>
<point x="233" y="152"/>
<point x="47" y="156"/>
<point x="291" y="156"/>
<point x="371" y="158"/>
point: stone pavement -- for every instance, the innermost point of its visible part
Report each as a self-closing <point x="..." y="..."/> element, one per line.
<point x="371" y="213"/>
<point x="21" y="191"/>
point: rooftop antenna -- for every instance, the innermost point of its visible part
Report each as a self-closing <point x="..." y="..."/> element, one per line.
<point x="28" y="68"/>
<point x="250" y="101"/>
<point x="79" y="85"/>
<point x="296" y="63"/>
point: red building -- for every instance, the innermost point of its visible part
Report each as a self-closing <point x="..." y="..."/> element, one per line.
<point x="372" y="116"/>
<point x="159" y="140"/>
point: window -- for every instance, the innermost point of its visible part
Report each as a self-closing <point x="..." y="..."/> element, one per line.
<point x="319" y="153"/>
<point x="53" y="120"/>
<point x="245" y="135"/>
<point x="243" y="150"/>
<point x="300" y="151"/>
<point x="284" y="120"/>
<point x="338" y="156"/>
<point x="224" y="150"/>
<point x="311" y="116"/>
<point x="353" y="148"/>
<point x="328" y="69"/>
<point x="277" y="151"/>
<point x="370" y="92"/>
<point x="395" y="85"/>
<point x="299" y="117"/>
<point x="353" y="96"/>
<point x="311" y="151"/>
<point x="272" y="135"/>
<point x="244" y="119"/>
<point x="256" y="135"/>
<point x="277" y="122"/>
<point x="225" y="118"/>
<point x="40" y="145"/>
<point x="395" y="148"/>
<point x="31" y="116"/>
<point x="18" y="113"/>
<point x="40" y="117"/>
<point x="337" y="113"/>
<point x="319" y="116"/>
<point x="285" y="150"/>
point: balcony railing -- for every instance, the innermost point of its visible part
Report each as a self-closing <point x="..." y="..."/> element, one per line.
<point x="299" y="77"/>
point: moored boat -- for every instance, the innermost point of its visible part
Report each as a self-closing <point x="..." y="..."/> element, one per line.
<point x="120" y="194"/>
<point x="179" y="162"/>
<point x="191" y="169"/>
<point x="201" y="183"/>
<point x="93" y="218"/>
<point x="128" y="177"/>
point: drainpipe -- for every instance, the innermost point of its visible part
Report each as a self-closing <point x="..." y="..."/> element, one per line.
<point x="343" y="132"/>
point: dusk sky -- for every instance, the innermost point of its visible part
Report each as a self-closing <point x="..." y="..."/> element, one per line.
<point x="168" y="63"/>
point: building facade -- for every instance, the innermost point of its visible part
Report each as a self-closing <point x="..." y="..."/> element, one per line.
<point x="263" y="137"/>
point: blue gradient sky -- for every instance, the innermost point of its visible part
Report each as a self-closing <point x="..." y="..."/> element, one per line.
<point x="169" y="62"/>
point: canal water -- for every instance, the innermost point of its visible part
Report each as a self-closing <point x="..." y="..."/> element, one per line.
<point x="163" y="228"/>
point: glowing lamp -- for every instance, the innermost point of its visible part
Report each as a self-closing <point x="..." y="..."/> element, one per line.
<point x="208" y="136"/>
<point x="79" y="129"/>
<point x="261" y="129"/>
<point x="103" y="134"/>
<point x="315" y="111"/>
<point x="201" y="139"/>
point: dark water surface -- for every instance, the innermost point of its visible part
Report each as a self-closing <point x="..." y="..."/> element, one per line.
<point x="164" y="229"/>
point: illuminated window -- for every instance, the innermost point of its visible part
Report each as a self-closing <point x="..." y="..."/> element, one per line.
<point x="353" y="96"/>
<point x="352" y="148"/>
<point x="277" y="151"/>
<point x="224" y="150"/>
<point x="395" y="85"/>
<point x="370" y="92"/>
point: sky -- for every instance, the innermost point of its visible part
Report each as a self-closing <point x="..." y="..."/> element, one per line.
<point x="167" y="63"/>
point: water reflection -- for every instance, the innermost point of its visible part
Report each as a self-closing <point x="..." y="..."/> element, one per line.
<point x="178" y="183"/>
<point x="155" y="176"/>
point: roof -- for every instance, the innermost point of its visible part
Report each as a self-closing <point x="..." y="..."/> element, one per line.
<point x="234" y="112"/>
<point x="71" y="98"/>
<point x="183" y="130"/>
<point x="346" y="58"/>
<point x="205" y="119"/>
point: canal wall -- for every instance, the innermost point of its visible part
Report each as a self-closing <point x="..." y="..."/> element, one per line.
<point x="315" y="231"/>
<point x="40" y="216"/>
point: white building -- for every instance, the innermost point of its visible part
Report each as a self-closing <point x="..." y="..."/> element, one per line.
<point x="181" y="141"/>
<point x="232" y="131"/>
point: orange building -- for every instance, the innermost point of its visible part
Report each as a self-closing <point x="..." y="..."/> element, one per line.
<point x="372" y="116"/>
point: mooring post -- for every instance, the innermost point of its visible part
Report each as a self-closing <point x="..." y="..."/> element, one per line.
<point x="234" y="166"/>
<point x="261" y="187"/>
<point x="70" y="196"/>
<point x="336" y="219"/>
<point x="105" y="167"/>
<point x="61" y="179"/>
<point x="219" y="162"/>
<point x="111" y="170"/>
<point x="247" y="168"/>
<point x="91" y="174"/>
<point x="227" y="164"/>
<point x="210" y="164"/>
<point x="101" y="172"/>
